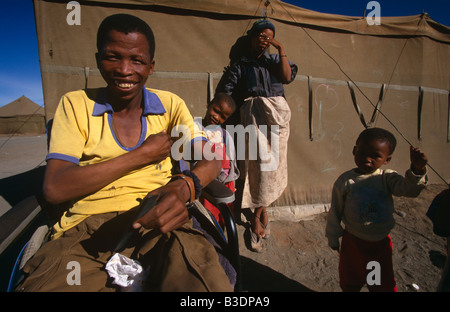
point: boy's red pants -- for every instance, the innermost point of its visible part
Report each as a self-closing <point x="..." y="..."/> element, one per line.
<point x="355" y="254"/>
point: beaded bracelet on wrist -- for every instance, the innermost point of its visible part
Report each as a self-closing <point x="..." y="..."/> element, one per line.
<point x="198" y="187"/>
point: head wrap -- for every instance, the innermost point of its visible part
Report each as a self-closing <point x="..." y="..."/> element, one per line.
<point x="260" y="25"/>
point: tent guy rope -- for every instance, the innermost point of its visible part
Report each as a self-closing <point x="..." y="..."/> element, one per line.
<point x="378" y="106"/>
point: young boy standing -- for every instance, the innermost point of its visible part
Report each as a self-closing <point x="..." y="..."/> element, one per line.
<point x="362" y="200"/>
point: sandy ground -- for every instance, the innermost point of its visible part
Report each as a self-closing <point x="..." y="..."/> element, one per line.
<point x="296" y="257"/>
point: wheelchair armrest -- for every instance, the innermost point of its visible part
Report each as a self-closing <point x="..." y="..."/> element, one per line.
<point x="217" y="193"/>
<point x="220" y="195"/>
<point x="14" y="222"/>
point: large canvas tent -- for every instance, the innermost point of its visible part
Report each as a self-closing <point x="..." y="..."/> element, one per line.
<point x="22" y="116"/>
<point x="351" y="75"/>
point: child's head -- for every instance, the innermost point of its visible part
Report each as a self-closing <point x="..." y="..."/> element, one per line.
<point x="124" y="23"/>
<point x="374" y="148"/>
<point x="219" y="109"/>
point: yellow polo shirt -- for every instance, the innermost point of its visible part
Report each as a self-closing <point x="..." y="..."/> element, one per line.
<point x="82" y="134"/>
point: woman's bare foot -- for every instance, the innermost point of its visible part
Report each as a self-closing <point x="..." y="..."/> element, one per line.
<point x="264" y="220"/>
<point x="257" y="224"/>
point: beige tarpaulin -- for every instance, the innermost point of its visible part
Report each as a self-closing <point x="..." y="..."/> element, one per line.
<point x="22" y="116"/>
<point x="346" y="69"/>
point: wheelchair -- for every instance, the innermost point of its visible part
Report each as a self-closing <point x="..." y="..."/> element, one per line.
<point x="224" y="239"/>
<point x="35" y="214"/>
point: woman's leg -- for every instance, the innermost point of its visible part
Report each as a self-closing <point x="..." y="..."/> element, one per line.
<point x="257" y="225"/>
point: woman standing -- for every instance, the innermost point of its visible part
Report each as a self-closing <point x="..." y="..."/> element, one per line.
<point x="255" y="80"/>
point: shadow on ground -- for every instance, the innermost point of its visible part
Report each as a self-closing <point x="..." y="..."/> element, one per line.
<point x="260" y="278"/>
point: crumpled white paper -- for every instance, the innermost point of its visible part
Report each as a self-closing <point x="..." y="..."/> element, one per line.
<point x="126" y="272"/>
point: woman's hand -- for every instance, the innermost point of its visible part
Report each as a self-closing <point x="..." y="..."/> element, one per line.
<point x="285" y="71"/>
<point x="277" y="45"/>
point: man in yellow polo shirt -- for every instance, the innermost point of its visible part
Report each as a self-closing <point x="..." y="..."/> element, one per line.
<point x="109" y="149"/>
<point x="83" y="134"/>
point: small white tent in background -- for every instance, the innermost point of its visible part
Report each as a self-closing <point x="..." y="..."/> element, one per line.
<point x="22" y="116"/>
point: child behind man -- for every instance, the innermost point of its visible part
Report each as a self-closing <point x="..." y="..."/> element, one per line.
<point x="362" y="200"/>
<point x="218" y="111"/>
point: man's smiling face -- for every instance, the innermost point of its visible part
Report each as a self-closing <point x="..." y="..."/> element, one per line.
<point x="125" y="64"/>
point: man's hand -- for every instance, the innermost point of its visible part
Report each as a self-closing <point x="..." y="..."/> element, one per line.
<point x="157" y="147"/>
<point x="170" y="212"/>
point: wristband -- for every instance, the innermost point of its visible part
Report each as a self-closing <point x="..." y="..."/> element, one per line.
<point x="283" y="55"/>
<point x="190" y="183"/>
<point x="197" y="186"/>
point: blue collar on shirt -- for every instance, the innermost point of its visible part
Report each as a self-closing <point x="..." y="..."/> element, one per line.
<point x="152" y="104"/>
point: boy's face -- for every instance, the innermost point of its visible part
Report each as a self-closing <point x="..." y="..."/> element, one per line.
<point x="125" y="64"/>
<point x="218" y="113"/>
<point x="369" y="156"/>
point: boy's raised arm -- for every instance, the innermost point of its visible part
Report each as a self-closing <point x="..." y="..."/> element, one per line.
<point x="418" y="161"/>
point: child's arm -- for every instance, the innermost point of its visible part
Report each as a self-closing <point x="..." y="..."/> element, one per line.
<point x="334" y="229"/>
<point x="418" y="161"/>
<point x="415" y="178"/>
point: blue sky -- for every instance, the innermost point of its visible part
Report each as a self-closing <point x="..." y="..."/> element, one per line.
<point x="19" y="59"/>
